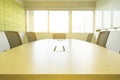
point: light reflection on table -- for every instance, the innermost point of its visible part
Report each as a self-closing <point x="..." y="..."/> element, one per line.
<point x="79" y="57"/>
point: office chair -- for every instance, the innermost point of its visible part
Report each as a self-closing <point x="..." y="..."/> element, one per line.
<point x="4" y="44"/>
<point x="23" y="37"/>
<point x="89" y="37"/>
<point x="13" y="38"/>
<point x="113" y="41"/>
<point x="31" y="36"/>
<point x="102" y="38"/>
<point x="59" y="36"/>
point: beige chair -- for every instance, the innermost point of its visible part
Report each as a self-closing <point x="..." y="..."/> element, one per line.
<point x="113" y="41"/>
<point x="31" y="36"/>
<point x="89" y="37"/>
<point x="13" y="38"/>
<point x="23" y="37"/>
<point x="59" y="36"/>
<point x="4" y="44"/>
<point x="102" y="38"/>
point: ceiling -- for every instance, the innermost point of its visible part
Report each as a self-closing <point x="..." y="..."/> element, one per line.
<point x="63" y="0"/>
<point x="59" y="4"/>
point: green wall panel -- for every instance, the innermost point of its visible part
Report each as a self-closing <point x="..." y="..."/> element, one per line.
<point x="1" y="27"/>
<point x="1" y="5"/>
<point x="12" y="16"/>
<point x="1" y="15"/>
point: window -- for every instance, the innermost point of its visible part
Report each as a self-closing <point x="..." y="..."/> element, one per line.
<point x="82" y="21"/>
<point x="116" y="18"/>
<point x="99" y="21"/>
<point x="40" y="21"/>
<point x="58" y="21"/>
<point x="107" y="19"/>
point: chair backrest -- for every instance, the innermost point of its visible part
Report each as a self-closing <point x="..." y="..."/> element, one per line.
<point x="89" y="37"/>
<point x="31" y="36"/>
<point x="4" y="44"/>
<point x="23" y="37"/>
<point x="113" y="42"/>
<point x="13" y="38"/>
<point x="102" y="38"/>
<point x="59" y="36"/>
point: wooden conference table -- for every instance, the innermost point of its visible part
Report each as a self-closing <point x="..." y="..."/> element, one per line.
<point x="59" y="60"/>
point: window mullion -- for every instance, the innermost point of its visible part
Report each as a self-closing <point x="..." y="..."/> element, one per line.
<point x="48" y="22"/>
<point x="70" y="21"/>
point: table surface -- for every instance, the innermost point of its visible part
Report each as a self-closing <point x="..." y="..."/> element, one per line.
<point x="77" y="57"/>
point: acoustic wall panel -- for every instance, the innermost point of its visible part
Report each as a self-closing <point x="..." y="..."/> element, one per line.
<point x="1" y="15"/>
<point x="12" y="16"/>
<point x="1" y="5"/>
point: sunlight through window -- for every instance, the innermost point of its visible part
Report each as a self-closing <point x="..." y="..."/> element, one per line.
<point x="82" y="21"/>
<point x="59" y="21"/>
<point x="41" y="21"/>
